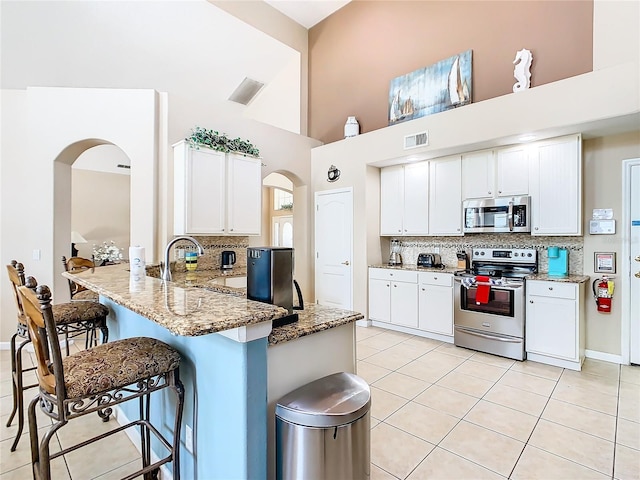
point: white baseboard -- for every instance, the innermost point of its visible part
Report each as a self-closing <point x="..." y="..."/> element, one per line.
<point x="606" y="357"/>
<point x="122" y="419"/>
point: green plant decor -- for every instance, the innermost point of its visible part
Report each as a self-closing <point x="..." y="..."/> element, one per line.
<point x="220" y="142"/>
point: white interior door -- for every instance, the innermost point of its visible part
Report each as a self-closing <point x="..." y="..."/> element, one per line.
<point x="334" y="248"/>
<point x="634" y="250"/>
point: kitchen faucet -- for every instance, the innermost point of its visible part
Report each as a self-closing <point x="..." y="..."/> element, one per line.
<point x="166" y="273"/>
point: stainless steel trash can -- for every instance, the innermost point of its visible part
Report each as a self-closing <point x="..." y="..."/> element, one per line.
<point x="323" y="430"/>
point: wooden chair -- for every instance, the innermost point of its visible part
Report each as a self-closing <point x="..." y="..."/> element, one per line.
<point x="79" y="264"/>
<point x="72" y="319"/>
<point x="94" y="379"/>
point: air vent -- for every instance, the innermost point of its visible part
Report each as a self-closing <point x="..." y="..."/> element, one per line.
<point x="416" y="140"/>
<point x="245" y="92"/>
<point x="122" y="165"/>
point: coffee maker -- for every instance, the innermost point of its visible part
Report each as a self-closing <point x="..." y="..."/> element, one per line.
<point x="270" y="279"/>
<point x="228" y="259"/>
<point x="558" y="261"/>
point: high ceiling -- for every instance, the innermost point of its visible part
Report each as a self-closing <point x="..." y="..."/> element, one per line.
<point x="307" y="12"/>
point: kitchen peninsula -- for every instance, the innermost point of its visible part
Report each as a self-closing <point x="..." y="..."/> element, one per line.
<point x="235" y="366"/>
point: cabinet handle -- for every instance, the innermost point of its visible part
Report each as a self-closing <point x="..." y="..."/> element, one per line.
<point x="637" y="274"/>
<point x="550" y="288"/>
<point x="231" y="229"/>
<point x="637" y="259"/>
<point x="530" y="301"/>
<point x="423" y="289"/>
<point x="395" y="285"/>
<point x="489" y="193"/>
<point x="387" y="284"/>
<point x="499" y="191"/>
<point x="391" y="274"/>
<point x="399" y="231"/>
<point x="536" y="228"/>
<point x="346" y="262"/>
<point x="435" y="278"/>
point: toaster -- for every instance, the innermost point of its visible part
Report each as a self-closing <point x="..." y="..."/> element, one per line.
<point x="431" y="260"/>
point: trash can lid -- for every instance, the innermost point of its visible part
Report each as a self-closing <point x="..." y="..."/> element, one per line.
<point x="331" y="401"/>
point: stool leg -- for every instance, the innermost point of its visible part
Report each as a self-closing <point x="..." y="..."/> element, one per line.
<point x="66" y="339"/>
<point x="179" y="389"/>
<point x="104" y="329"/>
<point x="33" y="436"/>
<point x="13" y="378"/>
<point x="18" y="398"/>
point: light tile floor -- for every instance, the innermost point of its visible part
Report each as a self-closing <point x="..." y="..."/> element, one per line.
<point x="443" y="412"/>
<point x="438" y="412"/>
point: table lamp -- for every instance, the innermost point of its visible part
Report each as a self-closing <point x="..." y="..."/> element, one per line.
<point x="76" y="238"/>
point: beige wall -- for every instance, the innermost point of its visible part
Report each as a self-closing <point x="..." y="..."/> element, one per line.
<point x="602" y="159"/>
<point x="357" y="51"/>
<point x="100" y="209"/>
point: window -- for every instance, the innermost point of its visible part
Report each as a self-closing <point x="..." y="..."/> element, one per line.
<point x="282" y="199"/>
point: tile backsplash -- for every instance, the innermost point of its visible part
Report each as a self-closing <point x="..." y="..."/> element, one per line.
<point x="213" y="248"/>
<point x="412" y="246"/>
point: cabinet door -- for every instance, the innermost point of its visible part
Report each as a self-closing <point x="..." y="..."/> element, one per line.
<point x="416" y="199"/>
<point x="478" y="175"/>
<point x="391" y="200"/>
<point x="244" y="199"/>
<point x="435" y="309"/>
<point x="379" y="300"/>
<point x="551" y="327"/>
<point x="556" y="192"/>
<point x="204" y="191"/>
<point x="404" y="304"/>
<point x="512" y="165"/>
<point x="445" y="197"/>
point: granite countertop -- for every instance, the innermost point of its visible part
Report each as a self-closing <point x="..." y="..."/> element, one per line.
<point x="193" y="304"/>
<point x="214" y="280"/>
<point x="551" y="278"/>
<point x="415" y="268"/>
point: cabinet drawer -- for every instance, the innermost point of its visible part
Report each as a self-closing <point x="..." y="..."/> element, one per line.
<point x="434" y="278"/>
<point x="552" y="289"/>
<point x="389" y="274"/>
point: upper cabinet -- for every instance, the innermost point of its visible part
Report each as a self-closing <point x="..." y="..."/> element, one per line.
<point x="496" y="173"/>
<point x="404" y="203"/>
<point x="556" y="187"/>
<point x="445" y="195"/>
<point x="215" y="193"/>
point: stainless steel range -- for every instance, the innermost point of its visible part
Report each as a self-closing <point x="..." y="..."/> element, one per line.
<point x="489" y="301"/>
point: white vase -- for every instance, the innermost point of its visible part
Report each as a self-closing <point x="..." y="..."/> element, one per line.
<point x="351" y="128"/>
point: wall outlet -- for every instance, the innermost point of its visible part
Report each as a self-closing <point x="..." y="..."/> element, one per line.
<point x="36" y="254"/>
<point x="436" y="249"/>
<point x="188" y="438"/>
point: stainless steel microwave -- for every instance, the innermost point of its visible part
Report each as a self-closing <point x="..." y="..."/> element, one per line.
<point x="497" y="215"/>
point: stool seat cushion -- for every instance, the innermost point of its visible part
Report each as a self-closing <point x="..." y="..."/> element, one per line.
<point x="117" y="364"/>
<point x="73" y="312"/>
<point x="86" y="295"/>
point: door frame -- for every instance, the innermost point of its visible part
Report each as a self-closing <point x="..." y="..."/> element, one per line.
<point x="317" y="194"/>
<point x="625" y="285"/>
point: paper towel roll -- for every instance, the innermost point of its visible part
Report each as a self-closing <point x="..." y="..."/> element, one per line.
<point x="137" y="261"/>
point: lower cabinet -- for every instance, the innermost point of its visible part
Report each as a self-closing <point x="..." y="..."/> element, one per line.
<point x="435" y="303"/>
<point x="417" y="302"/>
<point x="555" y="332"/>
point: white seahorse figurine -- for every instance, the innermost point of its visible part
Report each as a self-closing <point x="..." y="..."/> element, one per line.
<point x="522" y="72"/>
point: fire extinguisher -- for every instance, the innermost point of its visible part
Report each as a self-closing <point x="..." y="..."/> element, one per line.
<point x="603" y="293"/>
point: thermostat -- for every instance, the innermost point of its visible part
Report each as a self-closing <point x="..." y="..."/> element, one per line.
<point x="602" y="227"/>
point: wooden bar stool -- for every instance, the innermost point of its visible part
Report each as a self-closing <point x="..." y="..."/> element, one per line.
<point x="94" y="379"/>
<point x="71" y="319"/>
<point x="74" y="265"/>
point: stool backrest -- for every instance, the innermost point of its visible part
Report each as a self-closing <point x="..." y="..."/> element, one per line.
<point x="36" y="301"/>
<point x="16" y="277"/>
<point x="73" y="265"/>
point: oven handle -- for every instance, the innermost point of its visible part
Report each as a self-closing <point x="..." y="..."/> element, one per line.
<point x="490" y="337"/>
<point x="511" y="288"/>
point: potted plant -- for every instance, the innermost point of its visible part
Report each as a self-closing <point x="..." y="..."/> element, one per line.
<point x="221" y="142"/>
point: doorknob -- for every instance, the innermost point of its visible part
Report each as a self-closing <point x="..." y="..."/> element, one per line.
<point x="637" y="259"/>
<point x="637" y="274"/>
<point x="345" y="262"/>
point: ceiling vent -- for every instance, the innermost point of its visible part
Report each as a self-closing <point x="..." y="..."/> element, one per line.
<point x="122" y="165"/>
<point x="245" y="92"/>
<point x="416" y="140"/>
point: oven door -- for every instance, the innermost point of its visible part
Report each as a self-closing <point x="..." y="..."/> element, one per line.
<point x="503" y="314"/>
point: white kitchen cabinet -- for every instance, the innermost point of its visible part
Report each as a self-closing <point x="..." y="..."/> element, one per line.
<point x="555" y="332"/>
<point x="216" y="193"/>
<point x="445" y="196"/>
<point x="478" y="175"/>
<point x="512" y="171"/>
<point x="435" y="304"/>
<point x="502" y="172"/>
<point x="556" y="187"/>
<point x="395" y="292"/>
<point x="404" y="199"/>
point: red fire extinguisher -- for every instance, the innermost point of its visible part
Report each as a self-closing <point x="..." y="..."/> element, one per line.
<point x="603" y="293"/>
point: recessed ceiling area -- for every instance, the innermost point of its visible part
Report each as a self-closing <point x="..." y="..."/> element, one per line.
<point x="307" y="12"/>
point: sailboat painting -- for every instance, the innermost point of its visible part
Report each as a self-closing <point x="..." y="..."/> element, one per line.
<point x="428" y="90"/>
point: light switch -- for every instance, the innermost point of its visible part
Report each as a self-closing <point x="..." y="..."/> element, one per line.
<point x="36" y="254"/>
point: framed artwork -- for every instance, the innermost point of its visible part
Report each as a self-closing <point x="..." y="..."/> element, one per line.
<point x="441" y="86"/>
<point x="604" y="262"/>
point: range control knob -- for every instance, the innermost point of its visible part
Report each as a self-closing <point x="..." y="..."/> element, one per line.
<point x="529" y="255"/>
<point x="516" y="254"/>
<point x="481" y="253"/>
